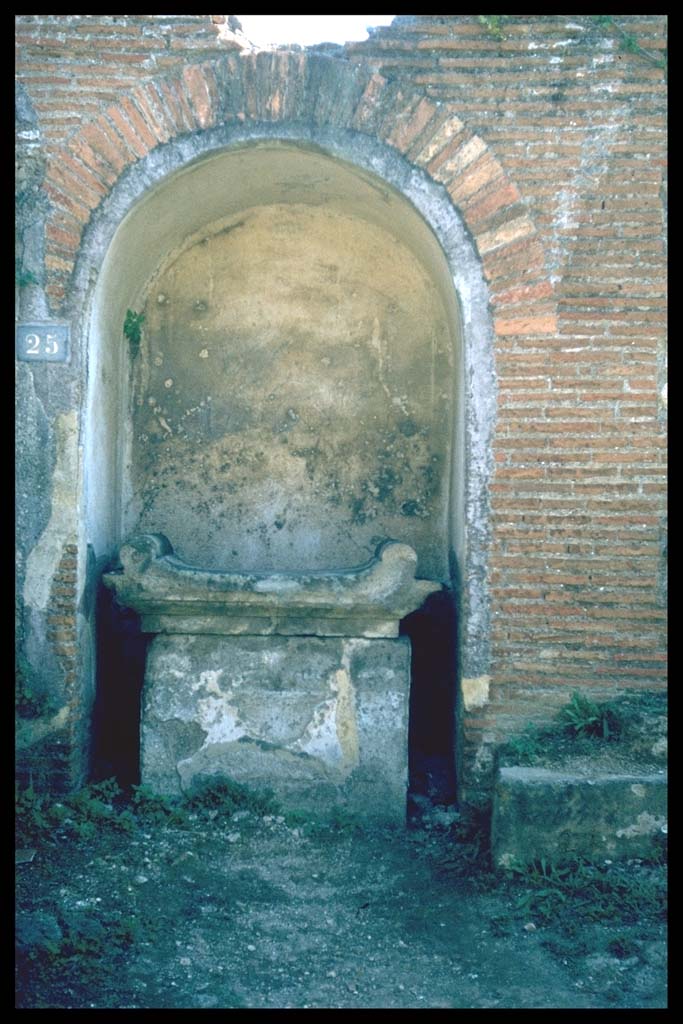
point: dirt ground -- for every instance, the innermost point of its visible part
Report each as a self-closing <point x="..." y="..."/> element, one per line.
<point x="257" y="911"/>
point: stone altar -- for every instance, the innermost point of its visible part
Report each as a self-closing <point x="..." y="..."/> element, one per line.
<point x="298" y="682"/>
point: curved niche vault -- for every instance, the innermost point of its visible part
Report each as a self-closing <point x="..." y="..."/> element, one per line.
<point x="291" y="402"/>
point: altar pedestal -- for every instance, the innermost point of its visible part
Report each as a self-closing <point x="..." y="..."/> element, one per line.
<point x="298" y="683"/>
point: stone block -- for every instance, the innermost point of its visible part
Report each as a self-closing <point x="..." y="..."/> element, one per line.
<point x="322" y="721"/>
<point x="540" y="812"/>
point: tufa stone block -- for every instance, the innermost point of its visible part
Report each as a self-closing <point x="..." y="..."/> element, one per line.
<point x="323" y="722"/>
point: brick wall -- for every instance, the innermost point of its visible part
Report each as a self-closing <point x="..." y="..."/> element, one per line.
<point x="74" y="65"/>
<point x="551" y="140"/>
<point x="578" y="498"/>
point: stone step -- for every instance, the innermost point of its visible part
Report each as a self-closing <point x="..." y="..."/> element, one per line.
<point x="561" y="815"/>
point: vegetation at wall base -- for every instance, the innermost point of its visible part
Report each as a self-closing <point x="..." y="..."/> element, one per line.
<point x="582" y="726"/>
<point x="105" y="806"/>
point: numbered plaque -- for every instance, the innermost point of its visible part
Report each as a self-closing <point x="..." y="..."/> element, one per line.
<point x="42" y="342"/>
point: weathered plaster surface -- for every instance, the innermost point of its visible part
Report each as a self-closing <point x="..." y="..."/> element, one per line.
<point x="33" y="467"/>
<point x="47" y="500"/>
<point x="44" y="558"/>
<point x="321" y="721"/>
<point x="293" y="396"/>
<point x="33" y="731"/>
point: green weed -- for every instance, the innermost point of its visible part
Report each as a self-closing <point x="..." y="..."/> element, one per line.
<point x="87" y="951"/>
<point x="153" y="809"/>
<point x="95" y="807"/>
<point x="628" y="42"/>
<point x="342" y="820"/>
<point x="23" y="277"/>
<point x="82" y="814"/>
<point x="209" y="797"/>
<point x="32" y="814"/>
<point x="582" y="717"/>
<point x="623" y="947"/>
<point x="132" y="328"/>
<point x="103" y="805"/>
<point x="493" y="23"/>
<point x="466" y="852"/>
<point x="588" y="892"/>
<point x="526" y="748"/>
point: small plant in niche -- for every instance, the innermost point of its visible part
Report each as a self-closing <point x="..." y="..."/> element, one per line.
<point x="132" y="329"/>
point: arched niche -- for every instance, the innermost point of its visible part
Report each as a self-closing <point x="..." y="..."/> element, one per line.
<point x="376" y="212"/>
<point x="295" y="395"/>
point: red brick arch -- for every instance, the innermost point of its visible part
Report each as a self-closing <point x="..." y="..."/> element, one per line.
<point x="284" y="86"/>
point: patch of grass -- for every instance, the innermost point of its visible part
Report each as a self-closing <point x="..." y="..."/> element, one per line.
<point x="341" y="821"/>
<point x="23" y="277"/>
<point x="623" y="947"/>
<point x="80" y="815"/>
<point x="296" y="819"/>
<point x="564" y="895"/>
<point x="95" y="807"/>
<point x="466" y="849"/>
<point x="471" y="830"/>
<point x="493" y="23"/>
<point x="526" y="748"/>
<point x="583" y="717"/>
<point x="153" y="809"/>
<point x="33" y="817"/>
